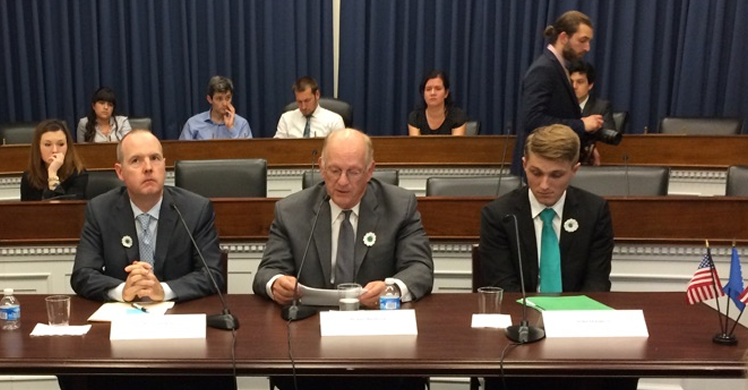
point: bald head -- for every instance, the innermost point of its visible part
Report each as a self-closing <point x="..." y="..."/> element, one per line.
<point x="347" y="164"/>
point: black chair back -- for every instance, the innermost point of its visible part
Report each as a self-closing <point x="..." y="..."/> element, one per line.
<point x="100" y="182"/>
<point x="238" y="178"/>
<point x="737" y="181"/>
<point x="389" y="176"/>
<point x="471" y="186"/>
<point x="344" y="109"/>
<point x="17" y="132"/>
<point x="623" y="181"/>
<point x="701" y="126"/>
<point x="143" y="123"/>
<point x="621" y="120"/>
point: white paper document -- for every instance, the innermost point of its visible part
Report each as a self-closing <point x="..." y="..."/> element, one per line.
<point x="368" y="323"/>
<point x="47" y="330"/>
<point x="112" y="310"/>
<point x="595" y="323"/>
<point x="491" y="321"/>
<point x="149" y="327"/>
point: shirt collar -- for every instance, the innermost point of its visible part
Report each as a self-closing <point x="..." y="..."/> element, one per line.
<point x="558" y="55"/>
<point x="584" y="102"/>
<point x="154" y="212"/>
<point x="336" y="210"/>
<point x="536" y="207"/>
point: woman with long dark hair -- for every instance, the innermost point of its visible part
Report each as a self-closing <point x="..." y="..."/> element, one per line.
<point x="101" y="125"/>
<point x="439" y="116"/>
<point x="55" y="170"/>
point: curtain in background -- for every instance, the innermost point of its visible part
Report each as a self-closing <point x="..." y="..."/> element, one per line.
<point x="159" y="55"/>
<point x="654" y="58"/>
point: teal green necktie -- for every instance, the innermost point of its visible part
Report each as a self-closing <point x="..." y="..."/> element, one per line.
<point x="550" y="255"/>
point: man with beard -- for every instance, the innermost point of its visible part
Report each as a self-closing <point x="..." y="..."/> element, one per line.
<point x="547" y="94"/>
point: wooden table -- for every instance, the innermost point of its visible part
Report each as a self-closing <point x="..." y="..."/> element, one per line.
<point x="679" y="344"/>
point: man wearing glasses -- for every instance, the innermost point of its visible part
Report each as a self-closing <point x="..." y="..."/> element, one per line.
<point x="367" y="231"/>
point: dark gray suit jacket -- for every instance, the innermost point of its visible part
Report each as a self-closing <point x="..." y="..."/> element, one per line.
<point x="547" y="98"/>
<point x="585" y="253"/>
<point x="101" y="257"/>
<point x="401" y="249"/>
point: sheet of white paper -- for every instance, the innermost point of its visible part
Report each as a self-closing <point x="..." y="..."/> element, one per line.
<point x="148" y="327"/>
<point x="491" y="320"/>
<point x="111" y="310"/>
<point x="311" y="296"/>
<point x="46" y="330"/>
<point x="368" y="323"/>
<point x="595" y="323"/>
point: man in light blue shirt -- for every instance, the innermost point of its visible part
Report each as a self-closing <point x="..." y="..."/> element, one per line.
<point x="221" y="121"/>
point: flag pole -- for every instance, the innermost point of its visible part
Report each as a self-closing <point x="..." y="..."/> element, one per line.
<point x="732" y="331"/>
<point x="720" y="338"/>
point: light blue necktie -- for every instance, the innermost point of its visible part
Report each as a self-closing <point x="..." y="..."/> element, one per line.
<point x="550" y="255"/>
<point x="145" y="239"/>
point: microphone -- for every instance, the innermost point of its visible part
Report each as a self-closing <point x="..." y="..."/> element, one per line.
<point x="295" y="311"/>
<point x="225" y="320"/>
<point x="503" y="156"/>
<point x="522" y="333"/>
<point x="626" y="173"/>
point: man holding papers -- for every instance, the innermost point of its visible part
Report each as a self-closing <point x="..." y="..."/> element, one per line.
<point x="565" y="234"/>
<point x="385" y="239"/>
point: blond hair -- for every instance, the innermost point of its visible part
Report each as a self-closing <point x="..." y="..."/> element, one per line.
<point x="554" y="142"/>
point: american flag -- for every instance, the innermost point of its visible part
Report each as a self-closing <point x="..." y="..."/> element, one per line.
<point x="743" y="297"/>
<point x="701" y="286"/>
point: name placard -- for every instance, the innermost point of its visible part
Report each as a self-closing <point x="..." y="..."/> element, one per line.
<point x="595" y="323"/>
<point x="368" y="323"/>
<point x="150" y="327"/>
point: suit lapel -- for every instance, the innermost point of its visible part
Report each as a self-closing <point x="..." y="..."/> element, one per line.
<point x="167" y="223"/>
<point x="567" y="83"/>
<point x="367" y="223"/>
<point x="323" y="238"/>
<point x="570" y="212"/>
<point x="125" y="222"/>
<point x="528" y="240"/>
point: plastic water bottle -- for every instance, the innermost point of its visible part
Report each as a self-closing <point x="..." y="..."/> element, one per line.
<point x="390" y="298"/>
<point x="10" y="311"/>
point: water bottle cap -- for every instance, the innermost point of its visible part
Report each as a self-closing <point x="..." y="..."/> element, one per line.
<point x="8" y="291"/>
<point x="389" y="281"/>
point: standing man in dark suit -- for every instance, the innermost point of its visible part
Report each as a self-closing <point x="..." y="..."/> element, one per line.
<point x="566" y="240"/>
<point x="120" y="258"/>
<point x="583" y="78"/>
<point x="389" y="242"/>
<point x="547" y="95"/>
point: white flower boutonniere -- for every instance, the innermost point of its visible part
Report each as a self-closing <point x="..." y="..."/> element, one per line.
<point x="127" y="241"/>
<point x="571" y="225"/>
<point x="369" y="239"/>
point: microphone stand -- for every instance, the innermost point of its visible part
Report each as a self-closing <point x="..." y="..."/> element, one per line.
<point x="225" y="320"/>
<point x="522" y="333"/>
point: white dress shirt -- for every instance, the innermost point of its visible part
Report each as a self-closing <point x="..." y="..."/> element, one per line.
<point x="323" y="121"/>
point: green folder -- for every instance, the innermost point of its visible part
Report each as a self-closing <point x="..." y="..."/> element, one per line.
<point x="574" y="302"/>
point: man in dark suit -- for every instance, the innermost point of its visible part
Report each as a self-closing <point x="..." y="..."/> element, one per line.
<point x="108" y="263"/>
<point x="575" y="254"/>
<point x="120" y="258"/>
<point x="583" y="78"/>
<point x="389" y="242"/>
<point x="581" y="222"/>
<point x="547" y="95"/>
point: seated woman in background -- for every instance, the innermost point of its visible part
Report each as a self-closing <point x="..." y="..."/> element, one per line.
<point x="101" y="125"/>
<point x="55" y="170"/>
<point x="439" y="116"/>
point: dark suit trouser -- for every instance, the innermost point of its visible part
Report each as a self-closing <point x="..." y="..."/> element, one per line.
<point x="353" y="383"/>
<point x="144" y="382"/>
